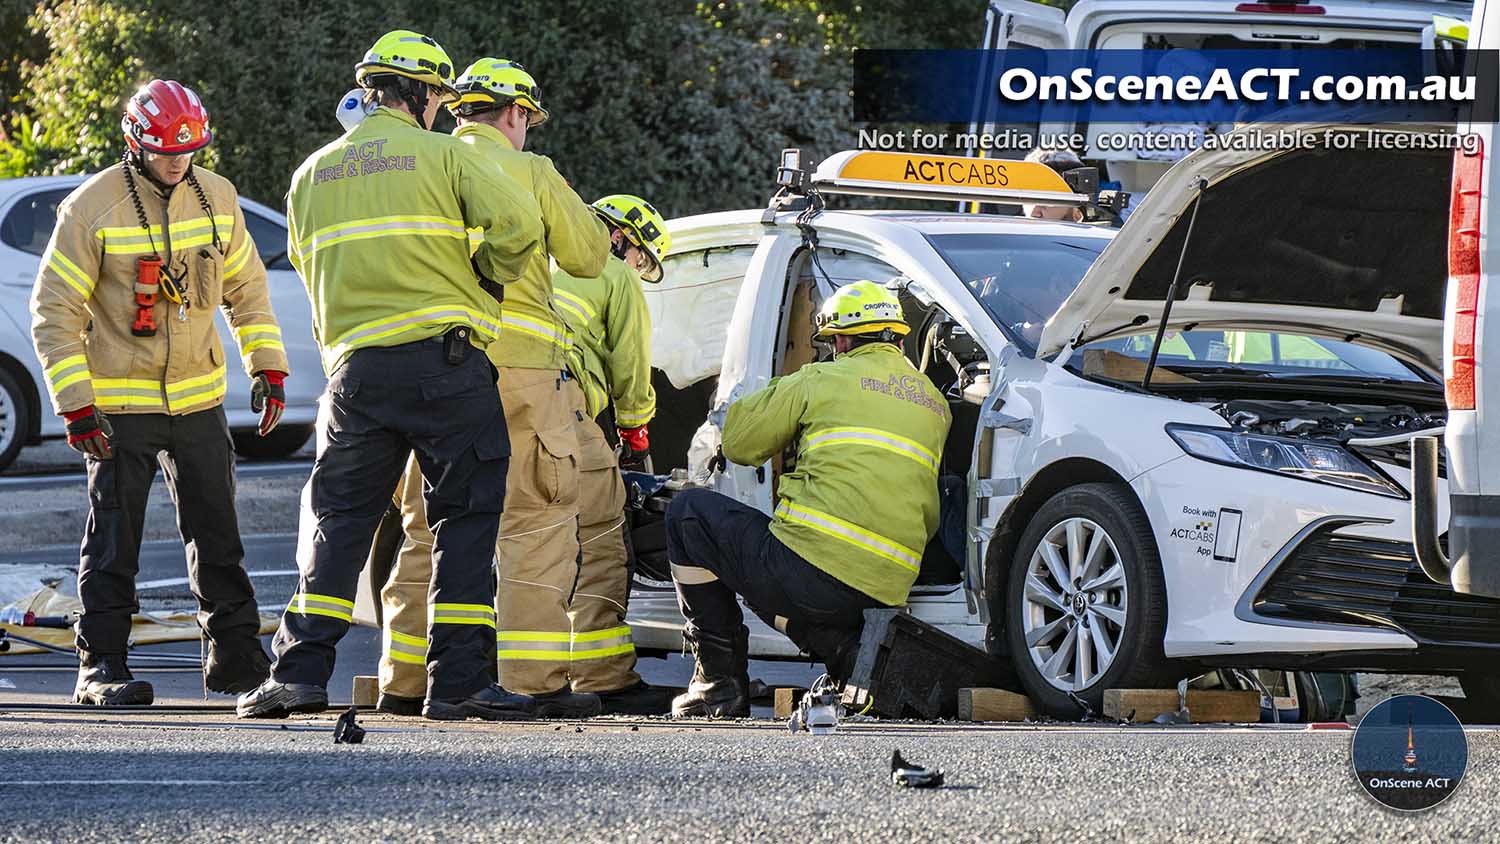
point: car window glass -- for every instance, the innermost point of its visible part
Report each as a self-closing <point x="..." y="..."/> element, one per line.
<point x="1261" y="351"/>
<point x="270" y="240"/>
<point x="1020" y="279"/>
<point x="28" y="224"/>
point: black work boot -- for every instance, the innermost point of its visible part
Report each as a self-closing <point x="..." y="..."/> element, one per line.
<point x="721" y="679"/>
<point x="278" y="700"/>
<point x="566" y="703"/>
<point x="106" y="681"/>
<point x="409" y="707"/>
<point x="640" y="699"/>
<point x="492" y="703"/>
<point x="235" y="669"/>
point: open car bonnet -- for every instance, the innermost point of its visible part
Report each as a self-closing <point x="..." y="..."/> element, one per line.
<point x="1348" y="244"/>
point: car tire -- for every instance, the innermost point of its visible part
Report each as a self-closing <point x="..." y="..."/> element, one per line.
<point x="282" y="442"/>
<point x="1124" y="616"/>
<point x="16" y="418"/>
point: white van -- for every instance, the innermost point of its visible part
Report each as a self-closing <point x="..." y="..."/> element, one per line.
<point x="1197" y="25"/>
<point x="1473" y="446"/>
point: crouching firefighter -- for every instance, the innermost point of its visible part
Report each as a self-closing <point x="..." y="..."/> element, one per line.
<point x="611" y="363"/>
<point x="142" y="256"/>
<point x="402" y="315"/>
<point x="853" y="514"/>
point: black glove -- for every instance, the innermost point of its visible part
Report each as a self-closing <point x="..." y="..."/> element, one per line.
<point x="718" y="463"/>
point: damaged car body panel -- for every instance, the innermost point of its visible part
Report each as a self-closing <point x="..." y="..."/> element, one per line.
<point x="1244" y="505"/>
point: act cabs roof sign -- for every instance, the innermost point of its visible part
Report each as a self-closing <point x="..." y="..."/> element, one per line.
<point x="915" y="176"/>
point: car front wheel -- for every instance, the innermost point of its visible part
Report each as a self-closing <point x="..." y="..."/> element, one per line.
<point x="282" y="442"/>
<point x="1086" y="607"/>
<point x="15" y="418"/>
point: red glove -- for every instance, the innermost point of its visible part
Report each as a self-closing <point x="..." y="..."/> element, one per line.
<point x="635" y="447"/>
<point x="268" y="398"/>
<point x="89" y="433"/>
<point x="636" y="439"/>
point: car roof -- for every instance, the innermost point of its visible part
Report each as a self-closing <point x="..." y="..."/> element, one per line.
<point x="747" y="222"/>
<point x="11" y="187"/>
<point x="24" y="184"/>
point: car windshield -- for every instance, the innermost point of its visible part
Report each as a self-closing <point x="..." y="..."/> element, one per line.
<point x="1020" y="279"/>
<point x="1261" y="352"/>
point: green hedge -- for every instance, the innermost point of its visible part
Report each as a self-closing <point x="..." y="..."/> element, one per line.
<point x="685" y="103"/>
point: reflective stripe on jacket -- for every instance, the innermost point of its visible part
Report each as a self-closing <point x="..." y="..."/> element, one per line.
<point x="83" y="303"/>
<point x="533" y="335"/>
<point x="862" y="500"/>
<point x="378" y="226"/>
<point x="611" y="354"/>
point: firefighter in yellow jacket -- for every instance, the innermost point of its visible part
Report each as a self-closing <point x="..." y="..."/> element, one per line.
<point x="123" y="321"/>
<point x="611" y="363"/>
<point x="853" y="513"/>
<point x="538" y="546"/>
<point x="379" y="224"/>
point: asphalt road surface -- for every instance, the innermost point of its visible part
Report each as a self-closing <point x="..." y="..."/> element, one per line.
<point x="271" y="563"/>
<point x="158" y="778"/>
<point x="163" y="776"/>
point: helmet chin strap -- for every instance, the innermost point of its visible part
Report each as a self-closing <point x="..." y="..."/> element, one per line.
<point x="410" y="91"/>
<point x="617" y="248"/>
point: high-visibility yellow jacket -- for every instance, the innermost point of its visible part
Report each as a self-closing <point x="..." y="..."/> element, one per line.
<point x="862" y="500"/>
<point x="378" y="229"/>
<point x="611" y="353"/>
<point x="533" y="335"/>
<point x="83" y="304"/>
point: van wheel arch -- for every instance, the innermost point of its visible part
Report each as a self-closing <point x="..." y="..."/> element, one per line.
<point x="1051" y="480"/>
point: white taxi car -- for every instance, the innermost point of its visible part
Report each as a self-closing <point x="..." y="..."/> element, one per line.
<point x="28" y="212"/>
<point x="1131" y="493"/>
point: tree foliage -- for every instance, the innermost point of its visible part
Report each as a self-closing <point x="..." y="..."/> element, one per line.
<point x="684" y="102"/>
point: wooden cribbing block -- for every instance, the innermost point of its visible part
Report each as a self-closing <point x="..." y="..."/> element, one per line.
<point x="1206" y="706"/>
<point x="787" y="700"/>
<point x="366" y="690"/>
<point x="994" y="705"/>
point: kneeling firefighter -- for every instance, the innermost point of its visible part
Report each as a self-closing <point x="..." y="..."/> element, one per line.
<point x="852" y="517"/>
<point x="123" y="321"/>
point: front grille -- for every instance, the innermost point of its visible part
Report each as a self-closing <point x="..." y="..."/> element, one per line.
<point x="1375" y="583"/>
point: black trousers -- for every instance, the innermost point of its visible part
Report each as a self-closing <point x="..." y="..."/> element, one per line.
<point x="719" y="548"/>
<point x="197" y="458"/>
<point x="382" y="405"/>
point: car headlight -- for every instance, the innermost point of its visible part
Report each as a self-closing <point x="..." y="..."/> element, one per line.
<point x="1321" y="462"/>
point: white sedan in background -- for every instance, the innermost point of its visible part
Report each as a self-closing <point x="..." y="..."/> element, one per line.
<point x="28" y="212"/>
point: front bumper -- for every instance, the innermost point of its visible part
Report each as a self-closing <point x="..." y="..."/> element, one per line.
<point x="1330" y="579"/>
<point x="1224" y="532"/>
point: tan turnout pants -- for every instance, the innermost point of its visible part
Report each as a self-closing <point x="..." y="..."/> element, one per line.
<point x="603" y="654"/>
<point x="537" y="549"/>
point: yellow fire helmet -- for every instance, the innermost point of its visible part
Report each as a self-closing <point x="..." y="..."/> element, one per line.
<point x="412" y="55"/>
<point x="643" y="226"/>
<point x="863" y="307"/>
<point x="496" y="83"/>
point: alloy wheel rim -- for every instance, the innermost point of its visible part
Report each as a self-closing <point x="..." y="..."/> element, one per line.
<point x="1074" y="604"/>
<point x="10" y="423"/>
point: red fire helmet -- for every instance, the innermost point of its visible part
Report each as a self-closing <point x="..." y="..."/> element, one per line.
<point x="166" y="118"/>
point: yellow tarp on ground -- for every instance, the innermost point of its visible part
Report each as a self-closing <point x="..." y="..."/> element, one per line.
<point x="146" y="629"/>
